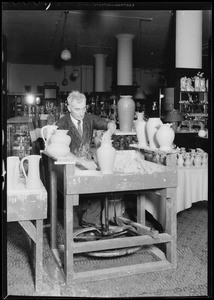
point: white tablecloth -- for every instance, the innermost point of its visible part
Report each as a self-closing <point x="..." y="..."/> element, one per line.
<point x="192" y="187"/>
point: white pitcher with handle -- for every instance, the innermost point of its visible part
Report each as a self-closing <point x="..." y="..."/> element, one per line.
<point x="33" y="180"/>
<point x="46" y="133"/>
<point x="13" y="174"/>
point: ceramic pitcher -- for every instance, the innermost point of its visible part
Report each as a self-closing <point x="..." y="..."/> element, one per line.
<point x="59" y="143"/>
<point x="33" y="180"/>
<point x="13" y="173"/>
<point x="46" y="133"/>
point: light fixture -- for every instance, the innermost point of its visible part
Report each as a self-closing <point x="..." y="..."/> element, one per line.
<point x="65" y="54"/>
<point x="30" y="99"/>
<point x="65" y="80"/>
<point x="75" y="73"/>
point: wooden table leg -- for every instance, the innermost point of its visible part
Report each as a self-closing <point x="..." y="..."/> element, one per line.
<point x="53" y="204"/>
<point x="171" y="226"/>
<point x="69" y="201"/>
<point x="39" y="255"/>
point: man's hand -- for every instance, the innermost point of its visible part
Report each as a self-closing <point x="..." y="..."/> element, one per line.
<point x="111" y="126"/>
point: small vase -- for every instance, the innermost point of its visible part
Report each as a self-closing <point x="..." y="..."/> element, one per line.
<point x="187" y="161"/>
<point x="106" y="154"/>
<point x="197" y="160"/>
<point x="140" y="127"/>
<point x="126" y="111"/>
<point x="180" y="160"/>
<point x="165" y="136"/>
<point x="205" y="159"/>
<point x="152" y="126"/>
<point x="59" y="144"/>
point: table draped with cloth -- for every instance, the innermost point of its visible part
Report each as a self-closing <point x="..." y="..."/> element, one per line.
<point x="192" y="187"/>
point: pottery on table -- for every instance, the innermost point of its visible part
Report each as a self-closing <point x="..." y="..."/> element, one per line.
<point x="140" y="128"/>
<point x="33" y="180"/>
<point x="106" y="154"/>
<point x="13" y="173"/>
<point x="204" y="159"/>
<point x="165" y="136"/>
<point x="59" y="143"/>
<point x="152" y="126"/>
<point x="187" y="161"/>
<point x="46" y="133"/>
<point x="197" y="160"/>
<point x="180" y="160"/>
<point x="126" y="111"/>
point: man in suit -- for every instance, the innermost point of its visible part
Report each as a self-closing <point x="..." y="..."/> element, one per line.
<point x="80" y="126"/>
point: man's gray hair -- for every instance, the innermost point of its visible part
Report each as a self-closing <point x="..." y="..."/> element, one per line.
<point x="75" y="96"/>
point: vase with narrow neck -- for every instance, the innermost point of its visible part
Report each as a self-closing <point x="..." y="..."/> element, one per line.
<point x="165" y="136"/>
<point x="106" y="154"/>
<point x="126" y="110"/>
<point x="59" y="143"/>
<point x="152" y="126"/>
<point x="33" y="180"/>
<point x="140" y="128"/>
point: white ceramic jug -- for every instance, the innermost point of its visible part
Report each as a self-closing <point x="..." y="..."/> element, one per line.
<point x="46" y="133"/>
<point x="13" y="173"/>
<point x="33" y="180"/>
<point x="59" y="143"/>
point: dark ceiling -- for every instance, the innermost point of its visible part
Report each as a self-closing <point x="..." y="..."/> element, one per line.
<point x="34" y="32"/>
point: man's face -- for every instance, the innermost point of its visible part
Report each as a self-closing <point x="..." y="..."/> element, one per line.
<point x="77" y="110"/>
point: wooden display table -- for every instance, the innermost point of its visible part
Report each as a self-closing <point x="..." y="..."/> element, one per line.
<point x="162" y="181"/>
<point x="29" y="207"/>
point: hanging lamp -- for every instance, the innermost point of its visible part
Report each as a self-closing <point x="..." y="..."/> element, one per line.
<point x="65" y="80"/>
<point x="65" y="54"/>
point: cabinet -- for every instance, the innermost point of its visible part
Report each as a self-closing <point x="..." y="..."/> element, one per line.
<point x="194" y="104"/>
<point x="193" y="101"/>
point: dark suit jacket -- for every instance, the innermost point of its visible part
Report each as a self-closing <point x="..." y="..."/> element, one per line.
<point x="90" y="122"/>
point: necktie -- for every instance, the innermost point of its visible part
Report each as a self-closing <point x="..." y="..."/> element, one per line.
<point x="79" y="127"/>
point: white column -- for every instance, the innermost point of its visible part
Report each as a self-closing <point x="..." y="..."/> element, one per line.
<point x="124" y="59"/>
<point x="100" y="72"/>
<point x="188" y="39"/>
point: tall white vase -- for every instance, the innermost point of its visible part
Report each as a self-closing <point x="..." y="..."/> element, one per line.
<point x="126" y="110"/>
<point x="140" y="128"/>
<point x="152" y="126"/>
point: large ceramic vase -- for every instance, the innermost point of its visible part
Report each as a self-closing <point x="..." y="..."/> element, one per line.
<point x="165" y="136"/>
<point x="126" y="111"/>
<point x="33" y="181"/>
<point x="106" y="154"/>
<point x="140" y="128"/>
<point x="152" y="126"/>
<point x="59" y="144"/>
